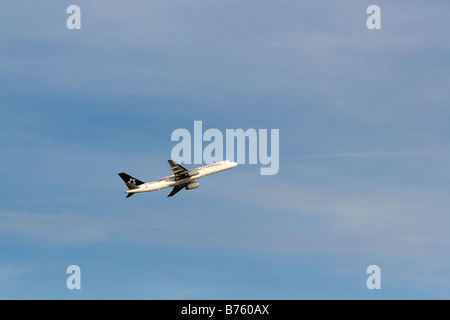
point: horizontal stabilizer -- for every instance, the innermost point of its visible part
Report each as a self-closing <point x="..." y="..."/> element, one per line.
<point x="175" y="190"/>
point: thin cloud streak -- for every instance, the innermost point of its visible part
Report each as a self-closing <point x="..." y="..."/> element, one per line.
<point x="295" y="218"/>
<point x="380" y="154"/>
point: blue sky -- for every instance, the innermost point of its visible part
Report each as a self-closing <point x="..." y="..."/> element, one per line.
<point x="364" y="153"/>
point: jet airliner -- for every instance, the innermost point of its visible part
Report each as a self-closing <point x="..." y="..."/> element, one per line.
<point x="182" y="178"/>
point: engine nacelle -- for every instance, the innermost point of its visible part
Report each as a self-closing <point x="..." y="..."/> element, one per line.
<point x="192" y="173"/>
<point x="192" y="185"/>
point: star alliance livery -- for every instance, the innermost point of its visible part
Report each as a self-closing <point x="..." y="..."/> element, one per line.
<point x="181" y="179"/>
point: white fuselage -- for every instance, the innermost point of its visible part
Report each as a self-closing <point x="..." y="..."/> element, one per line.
<point x="170" y="181"/>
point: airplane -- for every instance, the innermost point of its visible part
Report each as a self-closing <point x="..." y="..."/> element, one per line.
<point x="182" y="178"/>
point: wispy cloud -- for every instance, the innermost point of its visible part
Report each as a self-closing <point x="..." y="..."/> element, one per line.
<point x="55" y="227"/>
<point x="376" y="154"/>
<point x="393" y="219"/>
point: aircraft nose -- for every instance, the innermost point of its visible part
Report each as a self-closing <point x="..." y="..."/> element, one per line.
<point x="234" y="164"/>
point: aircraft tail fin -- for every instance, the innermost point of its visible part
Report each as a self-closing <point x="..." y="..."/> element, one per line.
<point x="132" y="183"/>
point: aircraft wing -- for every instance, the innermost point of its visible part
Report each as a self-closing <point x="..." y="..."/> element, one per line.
<point x="178" y="171"/>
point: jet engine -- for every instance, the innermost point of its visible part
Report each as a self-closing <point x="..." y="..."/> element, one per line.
<point x="192" y="173"/>
<point x="192" y="185"/>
